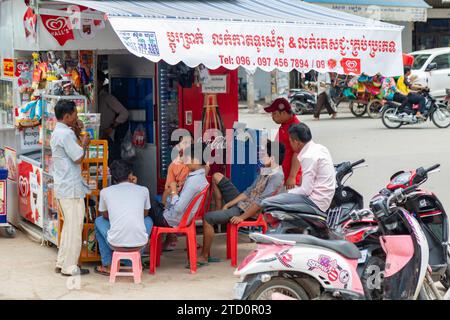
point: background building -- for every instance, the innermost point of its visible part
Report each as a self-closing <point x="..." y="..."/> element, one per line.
<point x="435" y="32"/>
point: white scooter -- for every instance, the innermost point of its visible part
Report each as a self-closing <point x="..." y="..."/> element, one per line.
<point x="306" y="267"/>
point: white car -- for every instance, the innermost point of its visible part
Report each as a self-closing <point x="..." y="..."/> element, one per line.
<point x="432" y="67"/>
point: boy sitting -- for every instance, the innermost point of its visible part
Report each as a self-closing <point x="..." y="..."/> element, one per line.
<point x="124" y="224"/>
<point x="177" y="171"/>
<point x="242" y="206"/>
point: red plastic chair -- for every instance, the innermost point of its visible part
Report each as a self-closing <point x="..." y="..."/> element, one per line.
<point x="207" y="203"/>
<point x="232" y="236"/>
<point x="183" y="227"/>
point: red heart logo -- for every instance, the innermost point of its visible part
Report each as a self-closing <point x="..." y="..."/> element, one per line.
<point x="23" y="186"/>
<point x="56" y="24"/>
<point x="351" y="64"/>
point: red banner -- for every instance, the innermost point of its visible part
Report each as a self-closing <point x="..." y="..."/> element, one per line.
<point x="59" y="28"/>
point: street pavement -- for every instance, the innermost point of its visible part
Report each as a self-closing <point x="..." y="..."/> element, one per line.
<point x="27" y="267"/>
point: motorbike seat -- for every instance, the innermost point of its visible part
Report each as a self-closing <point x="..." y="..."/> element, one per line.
<point x="296" y="208"/>
<point x="345" y="248"/>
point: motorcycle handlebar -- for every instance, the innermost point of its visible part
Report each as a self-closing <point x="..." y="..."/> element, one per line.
<point x="433" y="167"/>
<point x="354" y="164"/>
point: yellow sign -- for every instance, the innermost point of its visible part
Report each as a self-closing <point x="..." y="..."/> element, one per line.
<point x="8" y="68"/>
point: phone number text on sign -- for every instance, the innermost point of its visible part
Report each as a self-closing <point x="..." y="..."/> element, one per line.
<point x="272" y="62"/>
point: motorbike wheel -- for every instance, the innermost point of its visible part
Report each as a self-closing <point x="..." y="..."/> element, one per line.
<point x="286" y="287"/>
<point x="374" y="109"/>
<point x="298" y="107"/>
<point x="441" y="117"/>
<point x="357" y="109"/>
<point x="372" y="278"/>
<point x="388" y="123"/>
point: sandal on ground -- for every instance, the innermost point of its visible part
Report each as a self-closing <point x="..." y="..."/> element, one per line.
<point x="214" y="260"/>
<point x="199" y="264"/>
<point x="101" y="271"/>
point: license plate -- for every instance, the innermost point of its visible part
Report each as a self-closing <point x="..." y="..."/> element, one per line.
<point x="239" y="289"/>
<point x="363" y="256"/>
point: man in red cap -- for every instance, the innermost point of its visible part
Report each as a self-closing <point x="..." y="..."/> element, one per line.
<point x="282" y="114"/>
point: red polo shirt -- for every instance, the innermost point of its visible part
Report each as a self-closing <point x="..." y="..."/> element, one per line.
<point x="283" y="137"/>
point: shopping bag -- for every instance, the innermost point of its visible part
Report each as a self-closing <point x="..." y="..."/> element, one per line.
<point x="127" y="150"/>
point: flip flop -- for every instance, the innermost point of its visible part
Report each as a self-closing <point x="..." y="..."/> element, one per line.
<point x="104" y="273"/>
<point x="214" y="260"/>
<point x="199" y="264"/>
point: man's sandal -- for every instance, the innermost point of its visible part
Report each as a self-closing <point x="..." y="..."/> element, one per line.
<point x="101" y="271"/>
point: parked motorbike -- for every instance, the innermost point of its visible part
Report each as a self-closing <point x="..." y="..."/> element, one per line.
<point x="305" y="267"/>
<point x="338" y="223"/>
<point x="302" y="101"/>
<point x="394" y="116"/>
<point x="301" y="218"/>
<point x="430" y="213"/>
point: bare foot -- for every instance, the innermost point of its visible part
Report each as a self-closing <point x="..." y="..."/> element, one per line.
<point x="317" y="119"/>
<point x="333" y="116"/>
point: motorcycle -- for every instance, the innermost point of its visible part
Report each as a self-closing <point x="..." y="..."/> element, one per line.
<point x="338" y="224"/>
<point x="306" y="267"/>
<point x="394" y="116"/>
<point x="301" y="218"/>
<point x="431" y="215"/>
<point x="302" y="101"/>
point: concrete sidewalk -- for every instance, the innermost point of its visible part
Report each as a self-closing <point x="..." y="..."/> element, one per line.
<point x="27" y="273"/>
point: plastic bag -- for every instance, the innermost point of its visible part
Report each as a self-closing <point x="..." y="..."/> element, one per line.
<point x="127" y="149"/>
<point x="139" y="136"/>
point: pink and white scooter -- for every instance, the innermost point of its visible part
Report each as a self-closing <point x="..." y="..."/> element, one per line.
<point x="306" y="267"/>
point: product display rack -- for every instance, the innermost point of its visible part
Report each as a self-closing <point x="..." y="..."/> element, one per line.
<point x="168" y="114"/>
<point x="50" y="212"/>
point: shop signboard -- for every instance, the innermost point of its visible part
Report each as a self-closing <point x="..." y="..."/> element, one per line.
<point x="8" y="68"/>
<point x="29" y="138"/>
<point x="30" y="193"/>
<point x="344" y="50"/>
<point x="215" y="84"/>
<point x="385" y="13"/>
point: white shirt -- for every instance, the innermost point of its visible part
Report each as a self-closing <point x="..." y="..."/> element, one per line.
<point x="66" y="173"/>
<point x="125" y="203"/>
<point x="323" y="77"/>
<point x="318" y="175"/>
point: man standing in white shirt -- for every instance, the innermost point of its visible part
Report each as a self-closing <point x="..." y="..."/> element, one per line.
<point x="323" y="96"/>
<point x="70" y="188"/>
<point x="319" y="176"/>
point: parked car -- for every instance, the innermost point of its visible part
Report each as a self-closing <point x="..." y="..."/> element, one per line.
<point x="432" y="67"/>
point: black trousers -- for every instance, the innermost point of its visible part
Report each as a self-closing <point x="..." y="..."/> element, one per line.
<point x="414" y="98"/>
<point x="323" y="100"/>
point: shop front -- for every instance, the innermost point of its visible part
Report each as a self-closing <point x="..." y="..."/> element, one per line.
<point x="172" y="67"/>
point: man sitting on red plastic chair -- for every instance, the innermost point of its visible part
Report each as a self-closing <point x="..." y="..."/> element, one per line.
<point x="242" y="206"/>
<point x="177" y="203"/>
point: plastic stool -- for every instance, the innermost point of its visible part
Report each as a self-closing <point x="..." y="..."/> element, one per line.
<point x="136" y="266"/>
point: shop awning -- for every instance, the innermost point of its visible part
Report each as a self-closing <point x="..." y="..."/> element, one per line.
<point x="269" y="34"/>
<point x="386" y="10"/>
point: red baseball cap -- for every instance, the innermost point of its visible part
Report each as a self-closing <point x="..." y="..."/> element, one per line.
<point x="279" y="104"/>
